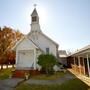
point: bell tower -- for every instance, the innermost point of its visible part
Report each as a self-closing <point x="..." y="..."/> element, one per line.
<point x="35" y="26"/>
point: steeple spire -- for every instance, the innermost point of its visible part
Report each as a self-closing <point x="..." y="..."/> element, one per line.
<point x="35" y="26"/>
<point x="34" y="13"/>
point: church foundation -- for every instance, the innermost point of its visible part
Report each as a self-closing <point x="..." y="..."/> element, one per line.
<point x="24" y="73"/>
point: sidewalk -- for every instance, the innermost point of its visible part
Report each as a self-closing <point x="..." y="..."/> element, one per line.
<point x="81" y="77"/>
<point x="50" y="82"/>
<point x="9" y="84"/>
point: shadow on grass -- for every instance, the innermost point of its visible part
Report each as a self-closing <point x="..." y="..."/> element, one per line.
<point x="74" y="84"/>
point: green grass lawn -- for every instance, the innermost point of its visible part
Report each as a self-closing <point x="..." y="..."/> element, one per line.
<point x="5" y="73"/>
<point x="74" y="84"/>
<point x="49" y="77"/>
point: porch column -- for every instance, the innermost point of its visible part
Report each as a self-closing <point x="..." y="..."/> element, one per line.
<point x="83" y="65"/>
<point x="79" y="64"/>
<point x="74" y="64"/>
<point x="34" y="59"/>
<point x="74" y="60"/>
<point x="88" y="65"/>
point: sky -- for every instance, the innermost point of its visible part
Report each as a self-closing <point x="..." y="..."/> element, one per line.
<point x="67" y="22"/>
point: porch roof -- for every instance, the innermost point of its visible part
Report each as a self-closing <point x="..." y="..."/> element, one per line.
<point x="82" y="52"/>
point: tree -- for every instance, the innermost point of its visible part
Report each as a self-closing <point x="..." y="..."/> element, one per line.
<point x="11" y="57"/>
<point x="8" y="38"/>
<point x="47" y="61"/>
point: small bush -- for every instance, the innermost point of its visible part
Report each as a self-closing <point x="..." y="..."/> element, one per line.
<point x="47" y="61"/>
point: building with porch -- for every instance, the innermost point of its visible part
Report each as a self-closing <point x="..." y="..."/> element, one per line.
<point x="80" y="61"/>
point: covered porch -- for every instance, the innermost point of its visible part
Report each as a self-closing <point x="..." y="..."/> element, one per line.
<point x="80" y="61"/>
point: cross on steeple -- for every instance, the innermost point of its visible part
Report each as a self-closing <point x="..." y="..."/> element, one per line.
<point x="35" y="5"/>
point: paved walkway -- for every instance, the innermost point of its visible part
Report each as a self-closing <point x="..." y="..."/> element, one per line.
<point x="81" y="77"/>
<point x="48" y="82"/>
<point x="9" y="84"/>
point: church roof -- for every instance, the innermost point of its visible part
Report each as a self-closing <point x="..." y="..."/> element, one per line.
<point x="36" y="45"/>
<point x="21" y="41"/>
<point x="34" y="13"/>
<point x="29" y="40"/>
<point x="46" y="37"/>
<point x="49" y="38"/>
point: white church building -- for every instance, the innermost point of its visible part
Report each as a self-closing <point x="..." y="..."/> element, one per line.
<point x="32" y="45"/>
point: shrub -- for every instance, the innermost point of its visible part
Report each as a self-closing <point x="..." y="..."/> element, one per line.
<point x="47" y="61"/>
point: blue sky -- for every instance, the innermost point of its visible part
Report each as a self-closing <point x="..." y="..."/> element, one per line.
<point x="65" y="21"/>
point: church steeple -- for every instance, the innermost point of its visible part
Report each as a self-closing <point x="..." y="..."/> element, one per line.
<point x="35" y="26"/>
<point x="34" y="16"/>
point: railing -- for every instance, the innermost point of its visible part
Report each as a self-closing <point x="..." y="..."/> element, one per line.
<point x="7" y="66"/>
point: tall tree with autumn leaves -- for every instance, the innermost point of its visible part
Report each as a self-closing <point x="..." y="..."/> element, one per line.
<point x="8" y="38"/>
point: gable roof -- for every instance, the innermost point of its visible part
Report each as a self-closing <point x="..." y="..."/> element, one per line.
<point x="46" y="37"/>
<point x="49" y="39"/>
<point x="36" y="45"/>
<point x="29" y="40"/>
<point x="18" y="43"/>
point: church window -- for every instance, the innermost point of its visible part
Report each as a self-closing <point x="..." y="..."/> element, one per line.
<point x="34" y="19"/>
<point x="47" y="50"/>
